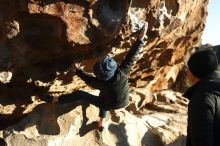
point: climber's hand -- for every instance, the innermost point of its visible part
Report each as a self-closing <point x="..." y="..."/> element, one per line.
<point x="77" y="66"/>
<point x="143" y="31"/>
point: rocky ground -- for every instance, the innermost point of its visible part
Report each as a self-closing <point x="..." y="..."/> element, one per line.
<point x="149" y="120"/>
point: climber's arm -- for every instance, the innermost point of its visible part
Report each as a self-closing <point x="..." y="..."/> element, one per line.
<point x="86" y="77"/>
<point x="131" y="57"/>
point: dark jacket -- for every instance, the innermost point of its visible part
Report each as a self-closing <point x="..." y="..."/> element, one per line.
<point x="204" y="112"/>
<point x="115" y="91"/>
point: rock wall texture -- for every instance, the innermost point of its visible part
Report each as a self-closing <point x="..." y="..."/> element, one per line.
<point x="161" y="123"/>
<point x="41" y="39"/>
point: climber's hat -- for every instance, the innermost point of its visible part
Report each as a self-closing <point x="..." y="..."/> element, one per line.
<point x="105" y="68"/>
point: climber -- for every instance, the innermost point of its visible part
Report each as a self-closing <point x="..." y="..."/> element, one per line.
<point x="204" y="99"/>
<point x="110" y="79"/>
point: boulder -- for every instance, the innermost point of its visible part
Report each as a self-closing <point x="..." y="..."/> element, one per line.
<point x="40" y="40"/>
<point x="155" y="123"/>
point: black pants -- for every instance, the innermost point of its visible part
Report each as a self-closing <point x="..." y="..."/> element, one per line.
<point x="82" y="95"/>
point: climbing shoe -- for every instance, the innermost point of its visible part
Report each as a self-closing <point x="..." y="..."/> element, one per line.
<point x="46" y="98"/>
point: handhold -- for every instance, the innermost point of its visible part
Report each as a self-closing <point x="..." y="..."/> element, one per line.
<point x="108" y="15"/>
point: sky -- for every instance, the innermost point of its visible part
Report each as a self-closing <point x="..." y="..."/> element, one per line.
<point x="211" y="34"/>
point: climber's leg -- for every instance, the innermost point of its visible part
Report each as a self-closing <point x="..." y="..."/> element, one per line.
<point x="102" y="115"/>
<point x="75" y="96"/>
<point x="81" y="95"/>
<point x="46" y="98"/>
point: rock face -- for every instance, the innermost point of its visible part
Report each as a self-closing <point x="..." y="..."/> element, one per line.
<point x="162" y="122"/>
<point x="41" y="39"/>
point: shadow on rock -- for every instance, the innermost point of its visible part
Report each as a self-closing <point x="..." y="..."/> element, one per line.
<point x="120" y="132"/>
<point x="2" y="142"/>
<point x="151" y="139"/>
<point x="180" y="141"/>
<point x="86" y="128"/>
<point x="44" y="117"/>
<point x="17" y="93"/>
